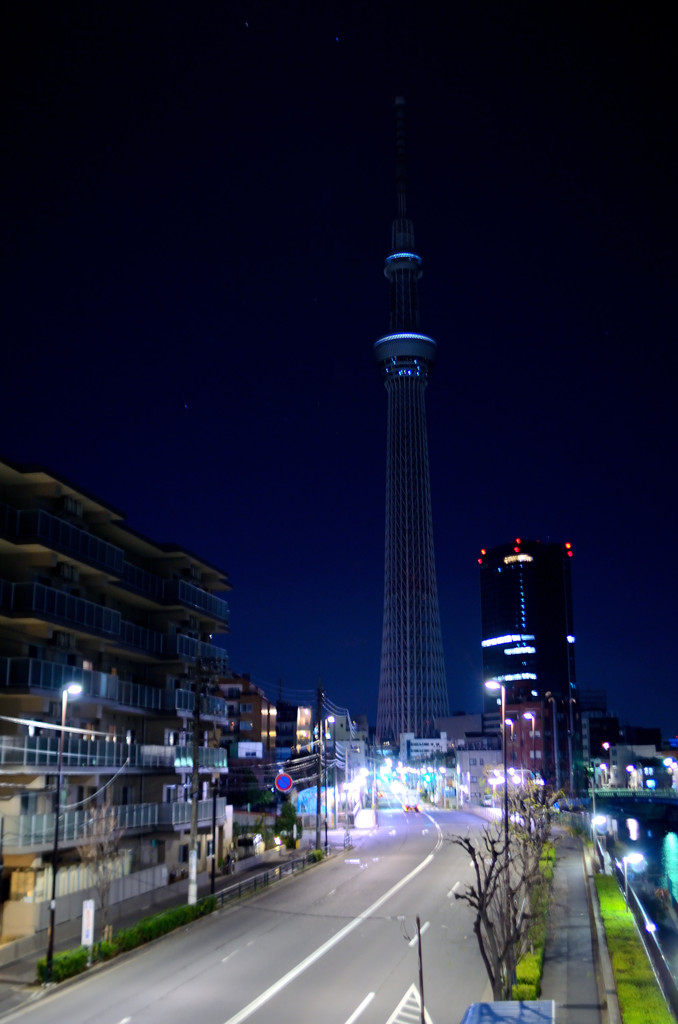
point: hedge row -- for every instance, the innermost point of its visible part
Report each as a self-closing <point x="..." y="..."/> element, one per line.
<point x="529" y="969"/>
<point x="74" y="961"/>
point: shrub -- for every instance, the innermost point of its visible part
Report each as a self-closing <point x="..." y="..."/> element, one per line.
<point x="524" y="993"/>
<point x="315" y="855"/>
<point x="528" y="970"/>
<point x="64" y="965"/>
<point x="105" y="950"/>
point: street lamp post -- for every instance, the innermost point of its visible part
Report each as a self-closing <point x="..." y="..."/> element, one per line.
<point x="552" y="701"/>
<point x="331" y="720"/>
<point x="531" y="717"/>
<point x="509" y="721"/>
<point x="498" y="686"/>
<point x="72" y="690"/>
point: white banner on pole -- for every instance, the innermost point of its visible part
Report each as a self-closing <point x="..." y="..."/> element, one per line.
<point x="87" y="938"/>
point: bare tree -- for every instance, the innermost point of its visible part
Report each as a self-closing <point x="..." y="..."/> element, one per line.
<point x="507" y="878"/>
<point x="97" y="849"/>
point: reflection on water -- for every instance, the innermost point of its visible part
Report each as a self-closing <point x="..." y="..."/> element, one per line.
<point x="669" y="863"/>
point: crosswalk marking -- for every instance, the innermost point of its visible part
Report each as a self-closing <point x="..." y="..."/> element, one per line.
<point x="408" y="1010"/>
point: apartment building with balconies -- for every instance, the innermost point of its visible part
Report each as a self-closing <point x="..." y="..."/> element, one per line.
<point x="85" y="599"/>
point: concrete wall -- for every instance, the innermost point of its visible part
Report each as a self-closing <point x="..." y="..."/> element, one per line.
<point x="20" y="919"/>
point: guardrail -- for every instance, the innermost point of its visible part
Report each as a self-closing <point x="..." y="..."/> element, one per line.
<point x="262" y="880"/>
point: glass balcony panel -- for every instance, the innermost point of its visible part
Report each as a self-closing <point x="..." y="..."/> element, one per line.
<point x="56" y="533"/>
<point x="9" y="521"/>
<point x="58" y="606"/>
<point x="186" y="648"/>
<point x="210" y="707"/>
<point x="141" y="638"/>
<point x="142" y="581"/>
<point x="23" y="673"/>
<point x="189" y="596"/>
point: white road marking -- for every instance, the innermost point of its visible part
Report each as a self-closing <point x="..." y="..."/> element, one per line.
<point x="303" y="965"/>
<point x="453" y="890"/>
<point x="229" y="955"/>
<point x="413" y="941"/>
<point x="409" y="1009"/>
<point x="365" y="1003"/>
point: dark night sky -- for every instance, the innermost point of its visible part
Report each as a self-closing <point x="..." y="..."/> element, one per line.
<point x="197" y="206"/>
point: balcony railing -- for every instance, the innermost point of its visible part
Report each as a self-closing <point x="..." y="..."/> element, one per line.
<point x="28" y="673"/>
<point x="189" y="596"/>
<point x="30" y="752"/>
<point x="60" y="535"/>
<point x="9" y="521"/>
<point x="58" y="606"/>
<point x="210" y="707"/>
<point x="186" y="648"/>
<point x="141" y="638"/>
<point x="180" y="813"/>
<point x="142" y="581"/>
<point x="26" y="831"/>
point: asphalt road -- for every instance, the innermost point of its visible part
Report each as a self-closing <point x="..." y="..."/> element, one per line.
<point x="336" y="945"/>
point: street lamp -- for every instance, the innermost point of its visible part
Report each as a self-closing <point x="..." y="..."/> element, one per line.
<point x="72" y="690"/>
<point x="630" y="858"/>
<point x="498" y="686"/>
<point x="531" y="717"/>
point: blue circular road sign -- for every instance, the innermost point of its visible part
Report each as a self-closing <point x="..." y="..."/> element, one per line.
<point x="283" y="782"/>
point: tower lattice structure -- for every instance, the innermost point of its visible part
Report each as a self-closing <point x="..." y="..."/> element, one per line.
<point x="412" y="683"/>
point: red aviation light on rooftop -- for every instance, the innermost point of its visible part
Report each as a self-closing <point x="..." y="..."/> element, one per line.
<point x="517" y="550"/>
<point x="480" y="561"/>
<point x="518" y="540"/>
<point x="568" y="548"/>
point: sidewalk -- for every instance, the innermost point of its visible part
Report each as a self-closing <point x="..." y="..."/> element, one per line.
<point x="577" y="972"/>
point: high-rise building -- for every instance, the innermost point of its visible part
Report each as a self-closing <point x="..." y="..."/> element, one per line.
<point x="528" y="648"/>
<point x="412" y="684"/>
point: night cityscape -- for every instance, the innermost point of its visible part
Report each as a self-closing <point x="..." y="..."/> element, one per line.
<point x="250" y="535"/>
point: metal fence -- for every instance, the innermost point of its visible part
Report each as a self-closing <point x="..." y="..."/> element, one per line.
<point x="262" y="880"/>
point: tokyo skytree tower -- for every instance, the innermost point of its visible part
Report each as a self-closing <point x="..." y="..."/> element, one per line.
<point x="412" y="684"/>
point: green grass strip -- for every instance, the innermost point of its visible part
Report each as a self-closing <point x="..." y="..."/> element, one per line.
<point x="640" y="998"/>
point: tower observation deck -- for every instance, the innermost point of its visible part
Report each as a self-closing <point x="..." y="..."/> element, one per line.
<point x="412" y="684"/>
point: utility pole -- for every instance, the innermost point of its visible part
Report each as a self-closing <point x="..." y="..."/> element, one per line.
<point x="195" y="787"/>
<point x="319" y="761"/>
<point x="203" y="672"/>
<point x="421" y="974"/>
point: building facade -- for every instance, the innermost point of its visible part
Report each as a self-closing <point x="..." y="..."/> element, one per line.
<point x="528" y="649"/>
<point x="85" y="600"/>
<point x="412" y="683"/>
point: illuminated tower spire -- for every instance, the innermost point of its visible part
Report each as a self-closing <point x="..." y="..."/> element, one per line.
<point x="412" y="685"/>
